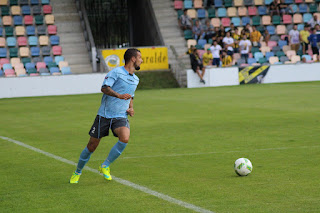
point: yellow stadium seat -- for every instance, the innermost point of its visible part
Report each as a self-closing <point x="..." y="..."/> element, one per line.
<point x="3" y="2"/>
<point x="297" y="18"/>
<point x="266" y="20"/>
<point x="20" y="30"/>
<point x="49" y="19"/>
<point x="258" y="2"/>
<point x="273" y="59"/>
<point x="15" y="61"/>
<point x="7" y="20"/>
<point x="43" y="40"/>
<point x="63" y="64"/>
<point x="242" y="11"/>
<point x="191" y="42"/>
<point x="238" y="3"/>
<point x="281" y="29"/>
<point x="15" y="10"/>
<point x="215" y="22"/>
<point x="24" y="52"/>
<point x="232" y="11"/>
<point x="286" y="48"/>
<point x="192" y="13"/>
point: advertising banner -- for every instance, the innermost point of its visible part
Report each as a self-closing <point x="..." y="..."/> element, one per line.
<point x="252" y="74"/>
<point x="154" y="58"/>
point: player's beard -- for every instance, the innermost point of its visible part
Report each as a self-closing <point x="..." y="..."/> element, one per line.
<point x="136" y="66"/>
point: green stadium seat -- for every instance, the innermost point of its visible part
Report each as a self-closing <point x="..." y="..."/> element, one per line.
<point x="13" y="52"/>
<point x="228" y="3"/>
<point x="9" y="31"/>
<point x="188" y="34"/>
<point x="179" y="12"/>
<point x="313" y="8"/>
<point x="280" y="53"/>
<point x="254" y="50"/>
<point x="13" y="2"/>
<point x="52" y="64"/>
<point x="38" y="19"/>
<point x="25" y="60"/>
<point x="276" y="20"/>
<point x="5" y="11"/>
<point x="256" y="20"/>
<point x="211" y="13"/>
<point x="262" y="60"/>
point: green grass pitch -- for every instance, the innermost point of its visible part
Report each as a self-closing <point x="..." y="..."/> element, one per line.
<point x="183" y="144"/>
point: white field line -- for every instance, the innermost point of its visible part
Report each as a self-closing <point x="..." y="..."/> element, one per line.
<point x="208" y="153"/>
<point x="119" y="180"/>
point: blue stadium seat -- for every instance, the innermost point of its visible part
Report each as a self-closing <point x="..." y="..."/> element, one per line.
<point x="54" y="40"/>
<point x="17" y="20"/>
<point x="262" y="10"/>
<point x="252" y="60"/>
<point x="66" y="71"/>
<point x="294" y="8"/>
<point x="46" y="51"/>
<point x="267" y="2"/>
<point x="57" y="59"/>
<point x="307" y="17"/>
<point x="54" y="69"/>
<point x="300" y="27"/>
<point x="11" y="41"/>
<point x="282" y="43"/>
<point x="258" y="55"/>
<point x="3" y="52"/>
<point x="269" y="54"/>
<point x="201" y="42"/>
<point x="222" y="12"/>
<point x="308" y="57"/>
<point x="271" y="29"/>
<point x="245" y="20"/>
<point x="1" y="73"/>
<point x="25" y="9"/>
<point x="45" y="1"/>
<point x="303" y="8"/>
<point x="48" y="59"/>
<point x="0" y="20"/>
<point x="1" y="31"/>
<point x="33" y="40"/>
<point x="288" y="1"/>
<point x="201" y="13"/>
<point x="24" y="2"/>
<point x="33" y="2"/>
<point x="30" y="30"/>
<point x="187" y="4"/>
<point x="30" y="65"/>
<point x="218" y="3"/>
<point x="35" y="51"/>
<point x="7" y="66"/>
<point x="235" y="21"/>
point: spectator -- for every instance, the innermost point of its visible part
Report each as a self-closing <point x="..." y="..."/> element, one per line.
<point x="314" y="43"/>
<point x="294" y="38"/>
<point x="207" y="58"/>
<point x="197" y="30"/>
<point x="247" y="30"/>
<point x="274" y="8"/>
<point x="284" y="8"/>
<point x="243" y="32"/>
<point x="197" y="65"/>
<point x="216" y="33"/>
<point x="304" y="35"/>
<point x="185" y="21"/>
<point x="215" y="50"/>
<point x="245" y="48"/>
<point x="266" y="36"/>
<point x="236" y="38"/>
<point x="232" y="28"/>
<point x="222" y="32"/>
<point x="314" y="21"/>
<point x="189" y="52"/>
<point x="255" y="37"/>
<point x="228" y="43"/>
<point x="226" y="59"/>
<point x="208" y="30"/>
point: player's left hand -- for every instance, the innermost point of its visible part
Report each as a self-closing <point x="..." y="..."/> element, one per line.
<point x="130" y="112"/>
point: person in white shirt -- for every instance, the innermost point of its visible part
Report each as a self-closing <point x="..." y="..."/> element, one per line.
<point x="314" y="21"/>
<point x="245" y="47"/>
<point x="228" y="43"/>
<point x="294" y="38"/>
<point x="215" y="50"/>
<point x="185" y="21"/>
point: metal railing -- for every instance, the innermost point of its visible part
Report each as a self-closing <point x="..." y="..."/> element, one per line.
<point x="88" y="35"/>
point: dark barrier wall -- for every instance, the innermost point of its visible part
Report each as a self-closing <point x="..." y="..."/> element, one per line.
<point x="144" y="29"/>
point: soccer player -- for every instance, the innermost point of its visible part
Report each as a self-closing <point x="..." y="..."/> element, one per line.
<point x="117" y="102"/>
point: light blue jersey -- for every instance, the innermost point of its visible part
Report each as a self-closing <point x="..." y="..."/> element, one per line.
<point x="120" y="81"/>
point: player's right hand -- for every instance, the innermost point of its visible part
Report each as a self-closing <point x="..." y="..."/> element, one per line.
<point x="125" y="96"/>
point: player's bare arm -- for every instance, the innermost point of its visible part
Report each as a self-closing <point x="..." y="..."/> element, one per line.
<point x="108" y="91"/>
<point x="130" y="110"/>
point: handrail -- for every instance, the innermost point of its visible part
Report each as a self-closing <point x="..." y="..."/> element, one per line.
<point x="93" y="50"/>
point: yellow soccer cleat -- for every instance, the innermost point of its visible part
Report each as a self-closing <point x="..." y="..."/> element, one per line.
<point x="106" y="172"/>
<point x="75" y="178"/>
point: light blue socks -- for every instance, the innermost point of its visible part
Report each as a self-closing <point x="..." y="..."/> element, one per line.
<point x="115" y="152"/>
<point x="84" y="158"/>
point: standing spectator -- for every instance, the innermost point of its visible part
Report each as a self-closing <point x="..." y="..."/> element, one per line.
<point x="245" y="48"/>
<point x="185" y="21"/>
<point x="255" y="37"/>
<point x="228" y="43"/>
<point x="294" y="38"/>
<point x="197" y="65"/>
<point x="314" y="21"/>
<point x="232" y="28"/>
<point x="207" y="58"/>
<point x="304" y="35"/>
<point x="215" y="50"/>
<point x="208" y="30"/>
<point x="216" y="34"/>
<point x="247" y="30"/>
<point x="274" y="8"/>
<point x="314" y="43"/>
<point x="266" y="36"/>
<point x="236" y="38"/>
<point x="284" y="8"/>
<point x="197" y="30"/>
<point x="222" y="32"/>
<point x="226" y="59"/>
<point x="243" y="32"/>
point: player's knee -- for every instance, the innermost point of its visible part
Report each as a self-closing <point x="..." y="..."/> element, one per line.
<point x="124" y="139"/>
<point x="93" y="144"/>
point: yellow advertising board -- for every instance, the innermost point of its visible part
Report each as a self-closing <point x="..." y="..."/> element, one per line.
<point x="154" y="58"/>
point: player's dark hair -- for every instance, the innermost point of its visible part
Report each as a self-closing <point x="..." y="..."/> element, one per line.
<point x="132" y="52"/>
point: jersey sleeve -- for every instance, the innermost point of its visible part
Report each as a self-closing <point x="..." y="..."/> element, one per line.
<point x="110" y="78"/>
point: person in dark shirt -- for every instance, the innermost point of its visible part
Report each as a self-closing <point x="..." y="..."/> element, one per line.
<point x="197" y="65"/>
<point x="284" y="8"/>
<point x="274" y="8"/>
<point x="314" y="42"/>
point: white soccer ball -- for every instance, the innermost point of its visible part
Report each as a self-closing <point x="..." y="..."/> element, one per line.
<point x="243" y="166"/>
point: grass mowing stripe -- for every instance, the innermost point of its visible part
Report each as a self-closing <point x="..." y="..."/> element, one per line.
<point x="119" y="180"/>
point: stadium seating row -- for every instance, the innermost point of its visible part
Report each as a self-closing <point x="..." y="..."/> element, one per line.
<point x="27" y="52"/>
<point x="26" y="20"/>
<point x="31" y="41"/>
<point x="24" y="2"/>
<point x="29" y="30"/>
<point x="25" y="10"/>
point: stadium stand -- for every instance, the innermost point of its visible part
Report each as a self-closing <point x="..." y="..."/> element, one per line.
<point x="29" y="41"/>
<point x="240" y="13"/>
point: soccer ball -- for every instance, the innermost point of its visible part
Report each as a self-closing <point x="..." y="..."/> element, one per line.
<point x="243" y="166"/>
